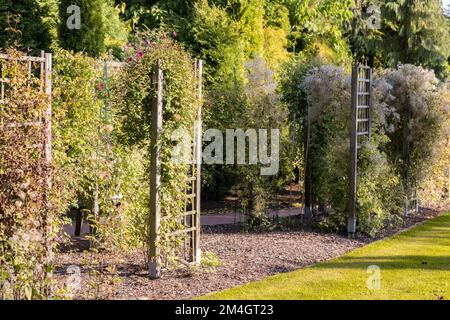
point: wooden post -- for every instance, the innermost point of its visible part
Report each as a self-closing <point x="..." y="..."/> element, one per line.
<point x="370" y="104"/>
<point x="78" y="222"/>
<point x="198" y="163"/>
<point x="48" y="152"/>
<point x="405" y="158"/>
<point x="155" y="174"/>
<point x="307" y="213"/>
<point x="351" y="226"/>
<point x="48" y="119"/>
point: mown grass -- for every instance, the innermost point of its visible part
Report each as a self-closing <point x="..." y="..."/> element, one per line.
<point x="413" y="265"/>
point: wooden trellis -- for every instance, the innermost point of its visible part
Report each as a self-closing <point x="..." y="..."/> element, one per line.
<point x="360" y="131"/>
<point x="189" y="252"/>
<point x="40" y="67"/>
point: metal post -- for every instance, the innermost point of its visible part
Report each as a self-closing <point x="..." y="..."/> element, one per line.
<point x="351" y="226"/>
<point x="155" y="174"/>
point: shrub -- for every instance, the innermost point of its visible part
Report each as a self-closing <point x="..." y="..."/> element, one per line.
<point x="133" y="95"/>
<point x="27" y="223"/>
<point x="328" y="90"/>
<point x="262" y="109"/>
<point x="416" y="114"/>
<point x="76" y="120"/>
<point x="101" y="27"/>
<point x="89" y="157"/>
<point x="28" y="24"/>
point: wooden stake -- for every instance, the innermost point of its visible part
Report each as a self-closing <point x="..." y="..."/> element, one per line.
<point x="307" y="212"/>
<point x="351" y="226"/>
<point x="48" y="119"/>
<point x="155" y="175"/>
<point x="48" y="152"/>
<point x="198" y="156"/>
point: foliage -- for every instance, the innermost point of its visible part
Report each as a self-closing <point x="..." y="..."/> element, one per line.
<point x="292" y="77"/>
<point x="216" y="37"/>
<point x="262" y="109"/>
<point x="90" y="158"/>
<point x="134" y="94"/>
<point x="317" y="25"/>
<point x="416" y="114"/>
<point x="76" y="111"/>
<point x="116" y="30"/>
<point x="226" y="34"/>
<point x="223" y="109"/>
<point x="415" y="32"/>
<point x="210" y="260"/>
<point x="435" y="188"/>
<point x="144" y="14"/>
<point x="328" y="97"/>
<point x="379" y="190"/>
<point x="293" y="74"/>
<point x="275" y="45"/>
<point x="26" y="220"/>
<point x="366" y="43"/>
<point x="28" y="25"/>
<point x="91" y="36"/>
<point x="101" y="27"/>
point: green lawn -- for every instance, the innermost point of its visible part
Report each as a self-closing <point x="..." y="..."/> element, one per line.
<point x="414" y="265"/>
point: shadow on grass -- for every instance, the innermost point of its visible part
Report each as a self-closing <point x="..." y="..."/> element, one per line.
<point x="390" y="262"/>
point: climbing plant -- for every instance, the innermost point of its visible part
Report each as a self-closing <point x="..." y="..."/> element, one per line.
<point x="134" y="94"/>
<point x="25" y="216"/>
<point x="76" y="112"/>
<point x="327" y="91"/>
<point x="416" y="116"/>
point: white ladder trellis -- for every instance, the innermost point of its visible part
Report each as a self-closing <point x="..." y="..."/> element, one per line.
<point x="360" y="131"/>
<point x="190" y="218"/>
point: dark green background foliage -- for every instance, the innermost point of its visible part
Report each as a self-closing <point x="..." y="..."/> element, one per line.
<point x="27" y="23"/>
<point x="91" y="37"/>
<point x="415" y="32"/>
<point x="226" y="32"/>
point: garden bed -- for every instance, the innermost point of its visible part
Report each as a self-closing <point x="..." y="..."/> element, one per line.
<point x="244" y="257"/>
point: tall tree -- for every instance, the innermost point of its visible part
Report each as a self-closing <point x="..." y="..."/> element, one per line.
<point x="100" y="27"/>
<point x="91" y="35"/>
<point x="416" y="32"/>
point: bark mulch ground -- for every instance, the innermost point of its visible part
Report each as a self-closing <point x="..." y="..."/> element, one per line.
<point x="244" y="257"/>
